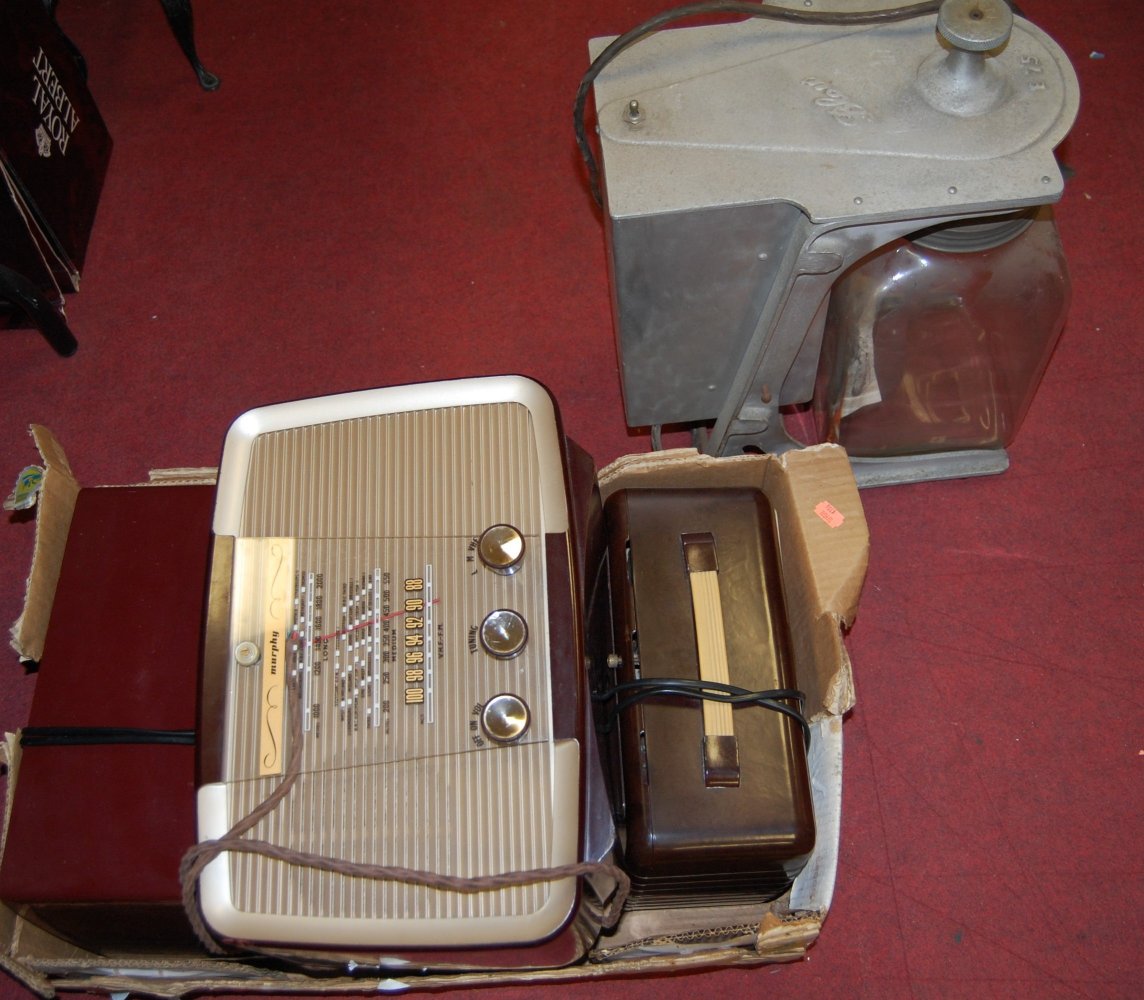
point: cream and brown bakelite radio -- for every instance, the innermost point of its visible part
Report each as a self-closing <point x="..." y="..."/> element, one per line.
<point x="395" y="607"/>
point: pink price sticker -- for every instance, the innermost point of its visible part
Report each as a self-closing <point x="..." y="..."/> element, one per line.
<point x="829" y="513"/>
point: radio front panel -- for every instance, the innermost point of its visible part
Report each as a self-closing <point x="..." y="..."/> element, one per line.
<point x="389" y="584"/>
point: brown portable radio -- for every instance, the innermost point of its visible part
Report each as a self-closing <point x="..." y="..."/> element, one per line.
<point x="716" y="799"/>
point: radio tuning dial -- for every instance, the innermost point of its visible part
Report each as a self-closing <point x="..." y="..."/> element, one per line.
<point x="501" y="549"/>
<point x="505" y="718"/>
<point x="504" y="633"/>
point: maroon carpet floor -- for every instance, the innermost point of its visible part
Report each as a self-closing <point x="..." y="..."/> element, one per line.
<point x="383" y="193"/>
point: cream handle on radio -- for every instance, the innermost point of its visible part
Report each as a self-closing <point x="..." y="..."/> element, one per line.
<point x="720" y="749"/>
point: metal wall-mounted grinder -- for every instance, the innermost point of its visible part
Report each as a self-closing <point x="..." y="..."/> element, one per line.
<point x="834" y="226"/>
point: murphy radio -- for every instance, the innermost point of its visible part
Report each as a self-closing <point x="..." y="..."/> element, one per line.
<point x="394" y="637"/>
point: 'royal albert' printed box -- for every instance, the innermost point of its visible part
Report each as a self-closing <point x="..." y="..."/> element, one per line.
<point x="54" y="150"/>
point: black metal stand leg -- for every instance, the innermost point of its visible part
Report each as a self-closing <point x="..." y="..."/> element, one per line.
<point x="18" y="290"/>
<point x="182" y="21"/>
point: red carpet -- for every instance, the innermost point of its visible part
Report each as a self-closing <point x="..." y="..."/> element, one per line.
<point x="383" y="193"/>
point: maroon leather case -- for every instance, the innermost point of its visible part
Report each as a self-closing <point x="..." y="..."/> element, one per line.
<point x="691" y="839"/>
<point x="97" y="831"/>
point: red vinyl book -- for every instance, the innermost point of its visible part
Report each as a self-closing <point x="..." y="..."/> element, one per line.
<point x="97" y="831"/>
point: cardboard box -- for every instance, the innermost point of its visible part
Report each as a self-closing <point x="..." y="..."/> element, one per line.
<point x="824" y="542"/>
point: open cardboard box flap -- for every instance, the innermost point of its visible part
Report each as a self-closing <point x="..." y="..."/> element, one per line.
<point x="56" y="503"/>
<point x="824" y="543"/>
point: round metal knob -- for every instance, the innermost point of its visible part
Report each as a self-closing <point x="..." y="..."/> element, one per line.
<point x="505" y="718"/>
<point x="504" y="633"/>
<point x="963" y="80"/>
<point x="501" y="549"/>
<point x="975" y="25"/>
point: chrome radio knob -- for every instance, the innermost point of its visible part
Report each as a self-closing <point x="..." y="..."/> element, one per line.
<point x="501" y="549"/>
<point x="505" y="718"/>
<point x="503" y="633"/>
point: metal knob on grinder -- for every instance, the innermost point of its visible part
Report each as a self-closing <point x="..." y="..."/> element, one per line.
<point x="961" y="81"/>
<point x="975" y="25"/>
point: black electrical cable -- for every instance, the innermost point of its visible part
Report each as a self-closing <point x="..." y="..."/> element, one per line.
<point x="682" y="687"/>
<point x="693" y="684"/>
<point x="654" y="24"/>
<point x="749" y="698"/>
<point x="83" y="736"/>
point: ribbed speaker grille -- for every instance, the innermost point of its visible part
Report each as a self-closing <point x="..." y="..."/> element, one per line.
<point x="425" y="473"/>
<point x="366" y="505"/>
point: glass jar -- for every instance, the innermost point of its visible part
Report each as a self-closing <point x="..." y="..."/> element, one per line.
<point x="937" y="342"/>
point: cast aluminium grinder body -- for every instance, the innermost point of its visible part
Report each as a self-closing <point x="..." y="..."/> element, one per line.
<point x="748" y="165"/>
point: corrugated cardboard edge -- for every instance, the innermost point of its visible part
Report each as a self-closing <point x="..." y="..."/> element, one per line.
<point x="813" y="890"/>
<point x="10" y="762"/>
<point x="796" y="937"/>
<point x="56" y="504"/>
<point x="198" y="476"/>
<point x="188" y="476"/>
<point x="835" y="546"/>
<point x="784" y="941"/>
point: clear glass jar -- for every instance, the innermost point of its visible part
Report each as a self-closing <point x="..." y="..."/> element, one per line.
<point x="937" y="342"/>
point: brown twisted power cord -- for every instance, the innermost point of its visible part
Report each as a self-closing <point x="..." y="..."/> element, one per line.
<point x="201" y="855"/>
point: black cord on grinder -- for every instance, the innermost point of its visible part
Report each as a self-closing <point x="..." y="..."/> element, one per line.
<point x="709" y="7"/>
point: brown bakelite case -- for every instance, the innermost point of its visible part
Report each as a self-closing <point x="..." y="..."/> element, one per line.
<point x="692" y="833"/>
